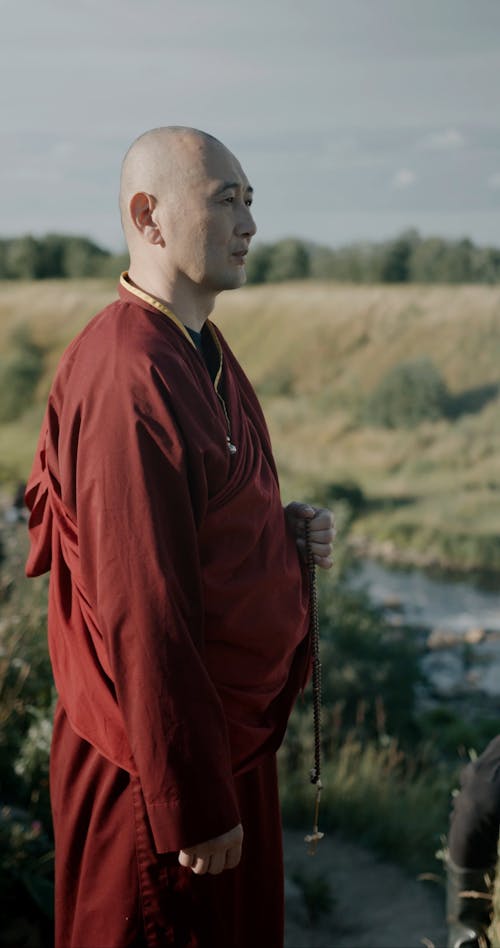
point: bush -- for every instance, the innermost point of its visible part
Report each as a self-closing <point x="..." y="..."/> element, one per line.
<point x="26" y="702"/>
<point x="20" y="372"/>
<point x="26" y="881"/>
<point x="347" y="491"/>
<point x="444" y="728"/>
<point x="364" y="661"/>
<point x="410" y="393"/>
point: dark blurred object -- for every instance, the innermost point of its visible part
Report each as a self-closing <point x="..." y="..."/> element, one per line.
<point x="17" y="511"/>
<point x="473" y="847"/>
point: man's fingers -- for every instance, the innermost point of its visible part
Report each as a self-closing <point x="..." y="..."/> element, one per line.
<point x="186" y="859"/>
<point x="201" y="865"/>
<point x="214" y="855"/>
<point x="300" y="511"/>
<point x="212" y="864"/>
<point x="233" y="857"/>
<point x="322" y="536"/>
<point x="324" y="562"/>
<point x="318" y="549"/>
<point x="217" y="863"/>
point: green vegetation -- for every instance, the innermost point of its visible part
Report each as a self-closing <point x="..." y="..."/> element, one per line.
<point x="26" y="704"/>
<point x="390" y="763"/>
<point x="408" y="258"/>
<point x="56" y="255"/>
<point x="426" y="488"/>
<point x="396" y="802"/>
<point x="316" y="895"/>
<point x="319" y="355"/>
<point x="389" y="767"/>
<point x="411" y="392"/>
<point x="20" y="372"/>
<point x="388" y="771"/>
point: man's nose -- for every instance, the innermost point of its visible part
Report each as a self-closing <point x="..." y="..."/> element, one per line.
<point x="246" y="226"/>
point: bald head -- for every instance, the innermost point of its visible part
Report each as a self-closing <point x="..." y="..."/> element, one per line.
<point x="163" y="161"/>
<point x="185" y="204"/>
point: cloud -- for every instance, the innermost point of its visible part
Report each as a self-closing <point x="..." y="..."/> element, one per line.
<point x="404" y="178"/>
<point x="494" y="181"/>
<point x="446" y="139"/>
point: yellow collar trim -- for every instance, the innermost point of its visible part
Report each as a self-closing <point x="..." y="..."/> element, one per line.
<point x="125" y="282"/>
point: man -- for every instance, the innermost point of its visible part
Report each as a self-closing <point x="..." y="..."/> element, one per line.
<point x="473" y="851"/>
<point x="177" y="606"/>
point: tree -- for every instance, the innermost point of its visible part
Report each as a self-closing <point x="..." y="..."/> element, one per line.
<point x="258" y="263"/>
<point x="458" y="262"/>
<point x="395" y="260"/>
<point x="24" y="258"/>
<point x="81" y="257"/>
<point x="289" y="261"/>
<point x="486" y="265"/>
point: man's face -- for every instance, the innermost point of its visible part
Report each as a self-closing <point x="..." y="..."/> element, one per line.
<point x="208" y="228"/>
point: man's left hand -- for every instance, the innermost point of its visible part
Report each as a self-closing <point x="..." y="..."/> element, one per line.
<point x="321" y="528"/>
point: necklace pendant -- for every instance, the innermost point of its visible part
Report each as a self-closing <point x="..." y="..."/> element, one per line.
<point x="232" y="447"/>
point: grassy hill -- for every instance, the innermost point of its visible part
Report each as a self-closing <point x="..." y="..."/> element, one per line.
<point x="316" y="353"/>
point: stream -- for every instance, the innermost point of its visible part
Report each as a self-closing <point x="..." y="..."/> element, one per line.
<point x="466" y="610"/>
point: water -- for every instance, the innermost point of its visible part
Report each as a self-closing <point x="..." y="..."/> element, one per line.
<point x="452" y="605"/>
<point x="456" y="605"/>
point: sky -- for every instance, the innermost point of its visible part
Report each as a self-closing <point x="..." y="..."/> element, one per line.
<point x="353" y="119"/>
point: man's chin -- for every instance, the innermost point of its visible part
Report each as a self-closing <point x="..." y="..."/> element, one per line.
<point x="232" y="281"/>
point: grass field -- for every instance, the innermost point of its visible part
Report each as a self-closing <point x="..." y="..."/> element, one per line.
<point x="316" y="352"/>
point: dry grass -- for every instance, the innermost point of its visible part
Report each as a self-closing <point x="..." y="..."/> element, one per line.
<point x="315" y="351"/>
<point x="55" y="310"/>
<point x="342" y="337"/>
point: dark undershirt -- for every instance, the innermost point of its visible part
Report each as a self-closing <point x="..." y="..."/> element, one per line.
<point x="204" y="343"/>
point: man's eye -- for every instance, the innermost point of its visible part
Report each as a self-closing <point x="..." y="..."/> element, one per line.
<point x="229" y="199"/>
<point x="249" y="202"/>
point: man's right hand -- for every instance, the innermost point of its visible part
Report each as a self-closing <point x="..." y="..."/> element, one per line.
<point x="223" y="852"/>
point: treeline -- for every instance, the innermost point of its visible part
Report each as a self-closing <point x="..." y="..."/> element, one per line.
<point x="409" y="258"/>
<point x="56" y="255"/>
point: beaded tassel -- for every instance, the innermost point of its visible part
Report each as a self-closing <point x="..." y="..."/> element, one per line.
<point x="315" y="774"/>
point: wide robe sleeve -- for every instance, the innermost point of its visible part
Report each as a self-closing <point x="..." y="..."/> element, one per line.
<point x="140" y="572"/>
<point x="37" y="501"/>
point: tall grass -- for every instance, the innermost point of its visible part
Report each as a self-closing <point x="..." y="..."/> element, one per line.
<point x="375" y="792"/>
<point x="316" y="352"/>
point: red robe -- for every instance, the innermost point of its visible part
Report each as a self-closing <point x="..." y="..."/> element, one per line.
<point x="177" y="633"/>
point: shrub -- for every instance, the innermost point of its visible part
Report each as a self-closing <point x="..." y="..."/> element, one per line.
<point x="26" y="871"/>
<point x="410" y="392"/>
<point x="316" y="895"/>
<point x="347" y="491"/>
<point x="364" y="661"/>
<point x="20" y="372"/>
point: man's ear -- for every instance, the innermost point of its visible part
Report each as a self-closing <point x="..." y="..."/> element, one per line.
<point x="142" y="214"/>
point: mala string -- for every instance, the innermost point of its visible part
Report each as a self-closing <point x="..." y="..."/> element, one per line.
<point x="315" y="774"/>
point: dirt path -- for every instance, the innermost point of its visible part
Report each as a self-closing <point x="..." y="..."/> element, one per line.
<point x="375" y="904"/>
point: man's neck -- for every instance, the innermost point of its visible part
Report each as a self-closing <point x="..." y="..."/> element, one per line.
<point x="189" y="303"/>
